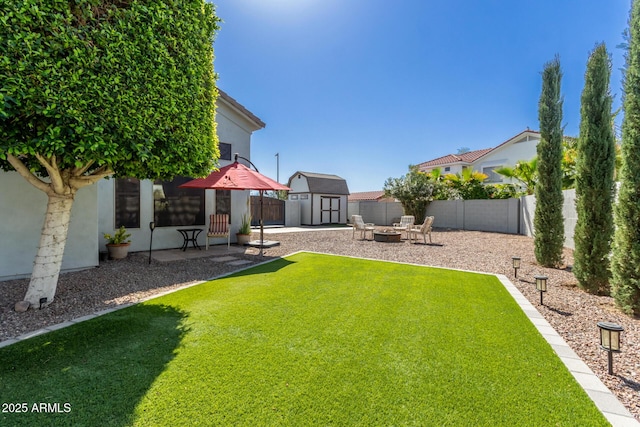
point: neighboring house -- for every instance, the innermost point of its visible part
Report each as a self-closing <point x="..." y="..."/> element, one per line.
<point x="322" y="198"/>
<point x="519" y="147"/>
<point x="366" y="196"/>
<point x="104" y="207"/>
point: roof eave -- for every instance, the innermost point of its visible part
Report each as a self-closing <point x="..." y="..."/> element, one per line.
<point x="240" y="109"/>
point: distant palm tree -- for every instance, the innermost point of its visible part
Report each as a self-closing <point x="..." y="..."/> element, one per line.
<point x="525" y="172"/>
<point x="468" y="184"/>
<point x="467" y="175"/>
<point x="436" y="174"/>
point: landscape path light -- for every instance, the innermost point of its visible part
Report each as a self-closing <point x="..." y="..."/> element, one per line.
<point x="610" y="340"/>
<point x="516" y="265"/>
<point x="541" y="285"/>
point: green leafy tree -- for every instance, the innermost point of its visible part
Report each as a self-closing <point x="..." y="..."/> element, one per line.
<point x="414" y="191"/>
<point x="625" y="261"/>
<point x="548" y="221"/>
<point x="502" y="191"/>
<point x="594" y="177"/>
<point x="278" y="194"/>
<point x="93" y="88"/>
<point x="569" y="157"/>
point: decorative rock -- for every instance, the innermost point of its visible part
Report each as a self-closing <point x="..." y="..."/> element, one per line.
<point x="22" y="306"/>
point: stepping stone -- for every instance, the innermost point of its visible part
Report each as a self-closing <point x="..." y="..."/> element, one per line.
<point x="223" y="258"/>
<point x="239" y="262"/>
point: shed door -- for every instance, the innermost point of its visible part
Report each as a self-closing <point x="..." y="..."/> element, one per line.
<point x="329" y="210"/>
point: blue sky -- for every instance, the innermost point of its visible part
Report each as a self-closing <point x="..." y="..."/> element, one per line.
<point x="364" y="88"/>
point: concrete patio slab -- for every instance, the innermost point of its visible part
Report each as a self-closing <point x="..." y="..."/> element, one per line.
<point x="277" y="230"/>
<point x="168" y="255"/>
<point x="224" y="259"/>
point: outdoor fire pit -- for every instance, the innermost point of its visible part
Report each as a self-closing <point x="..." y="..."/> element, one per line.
<point x="386" y="236"/>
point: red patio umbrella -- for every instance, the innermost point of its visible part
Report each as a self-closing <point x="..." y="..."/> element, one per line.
<point x="237" y="176"/>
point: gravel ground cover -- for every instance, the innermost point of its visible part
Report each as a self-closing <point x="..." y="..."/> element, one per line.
<point x="572" y="312"/>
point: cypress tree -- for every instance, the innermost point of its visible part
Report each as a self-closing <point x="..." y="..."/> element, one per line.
<point x="625" y="263"/>
<point x="548" y="221"/>
<point x="594" y="177"/>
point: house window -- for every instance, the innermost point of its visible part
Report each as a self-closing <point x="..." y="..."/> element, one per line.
<point x="294" y="197"/>
<point x="225" y="151"/>
<point x="447" y="169"/>
<point x="304" y="197"/>
<point x="223" y="202"/>
<point x="176" y="207"/>
<point x="127" y="202"/>
<point x="492" y="177"/>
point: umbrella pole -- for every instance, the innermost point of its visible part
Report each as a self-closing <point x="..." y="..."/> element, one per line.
<point x="261" y="225"/>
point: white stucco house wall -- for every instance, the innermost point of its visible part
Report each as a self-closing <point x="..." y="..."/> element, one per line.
<point x="519" y="147"/>
<point x="22" y="207"/>
<point x="22" y="210"/>
<point x="322" y="198"/>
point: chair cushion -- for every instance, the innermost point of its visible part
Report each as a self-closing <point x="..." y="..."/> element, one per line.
<point x="218" y="224"/>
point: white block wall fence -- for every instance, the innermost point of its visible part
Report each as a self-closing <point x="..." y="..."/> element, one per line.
<point x="510" y="216"/>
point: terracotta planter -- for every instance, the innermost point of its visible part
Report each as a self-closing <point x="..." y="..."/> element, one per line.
<point x="118" y="251"/>
<point x="243" y="239"/>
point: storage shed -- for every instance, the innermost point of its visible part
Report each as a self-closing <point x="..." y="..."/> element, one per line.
<point x="322" y="197"/>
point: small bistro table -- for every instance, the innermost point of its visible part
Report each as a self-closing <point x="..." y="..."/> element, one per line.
<point x="386" y="236"/>
<point x="193" y="237"/>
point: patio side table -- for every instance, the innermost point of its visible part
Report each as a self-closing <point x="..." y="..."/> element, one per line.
<point x="190" y="235"/>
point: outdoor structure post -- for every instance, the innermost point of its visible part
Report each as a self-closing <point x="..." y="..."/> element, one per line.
<point x="152" y="226"/>
<point x="261" y="203"/>
<point x="261" y="222"/>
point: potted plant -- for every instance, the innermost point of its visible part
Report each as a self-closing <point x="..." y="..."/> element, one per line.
<point x="244" y="233"/>
<point x="118" y="243"/>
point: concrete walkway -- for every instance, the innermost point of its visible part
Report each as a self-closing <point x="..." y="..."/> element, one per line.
<point x="277" y="230"/>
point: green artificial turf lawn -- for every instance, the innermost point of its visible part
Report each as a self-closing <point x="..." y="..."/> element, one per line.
<point x="307" y="340"/>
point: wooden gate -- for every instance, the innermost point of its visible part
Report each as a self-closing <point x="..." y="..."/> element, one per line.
<point x="272" y="211"/>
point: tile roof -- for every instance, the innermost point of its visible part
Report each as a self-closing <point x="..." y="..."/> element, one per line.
<point x="366" y="195"/>
<point x="469" y="157"/>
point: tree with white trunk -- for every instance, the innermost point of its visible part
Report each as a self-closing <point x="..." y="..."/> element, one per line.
<point x="98" y="88"/>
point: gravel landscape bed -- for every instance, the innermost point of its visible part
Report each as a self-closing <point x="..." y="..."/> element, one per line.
<point x="572" y="312"/>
